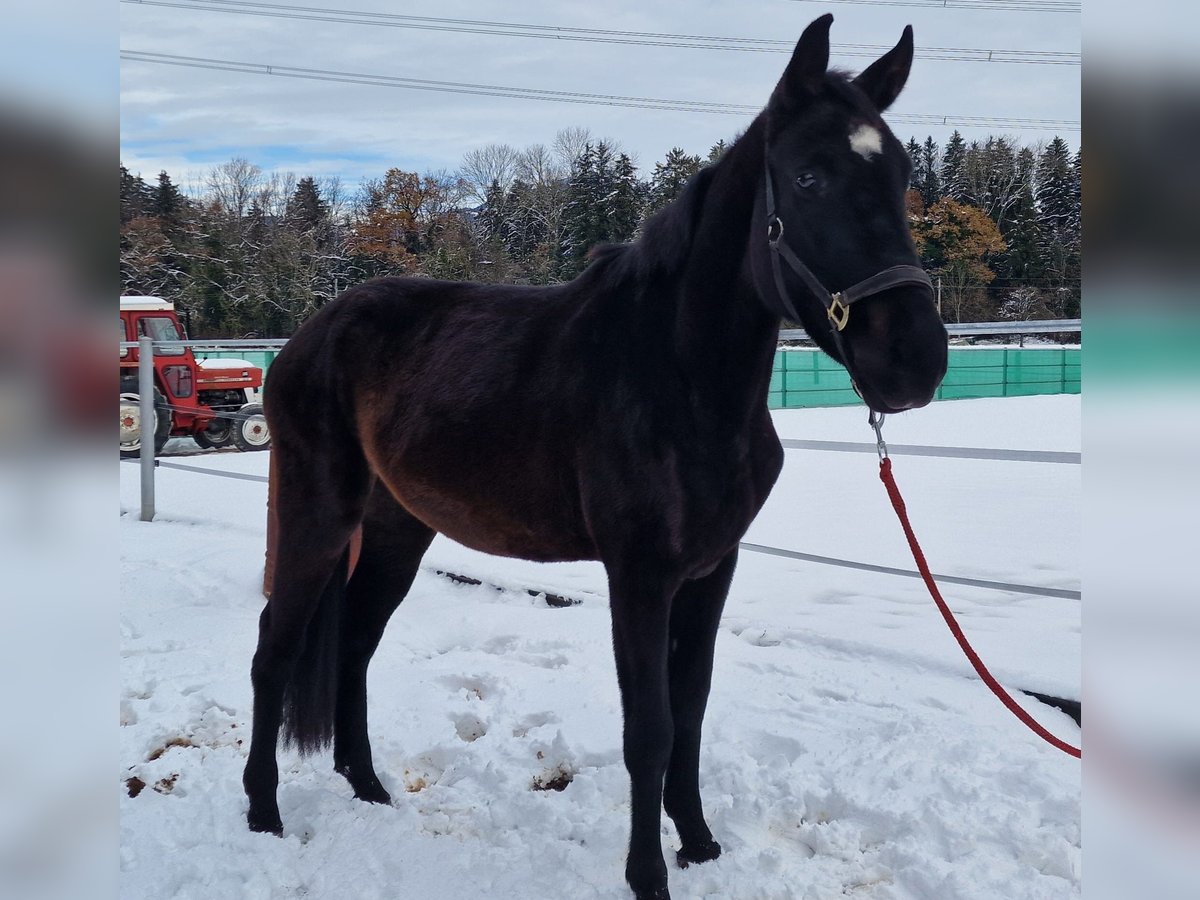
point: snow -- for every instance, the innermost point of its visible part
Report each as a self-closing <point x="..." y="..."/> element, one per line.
<point x="848" y="746"/>
<point x="224" y="362"/>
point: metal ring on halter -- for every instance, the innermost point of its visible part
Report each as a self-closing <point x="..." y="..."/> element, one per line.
<point x="770" y="226"/>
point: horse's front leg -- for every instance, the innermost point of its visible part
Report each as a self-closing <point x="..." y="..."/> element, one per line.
<point x="641" y="610"/>
<point x="695" y="616"/>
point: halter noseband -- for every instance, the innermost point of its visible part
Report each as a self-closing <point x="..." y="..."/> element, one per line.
<point x="836" y="303"/>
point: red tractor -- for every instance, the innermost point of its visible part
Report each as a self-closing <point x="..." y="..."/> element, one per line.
<point x="207" y="400"/>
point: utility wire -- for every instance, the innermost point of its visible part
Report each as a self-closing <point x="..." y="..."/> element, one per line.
<point x="1059" y="6"/>
<point x="597" y="35"/>
<point x="492" y="90"/>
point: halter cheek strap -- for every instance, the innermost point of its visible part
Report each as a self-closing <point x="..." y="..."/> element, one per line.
<point x="836" y="303"/>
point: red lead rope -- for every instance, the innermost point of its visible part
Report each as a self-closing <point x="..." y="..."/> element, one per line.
<point x="885" y="475"/>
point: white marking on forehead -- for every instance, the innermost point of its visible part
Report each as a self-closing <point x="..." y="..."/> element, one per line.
<point x="866" y="141"/>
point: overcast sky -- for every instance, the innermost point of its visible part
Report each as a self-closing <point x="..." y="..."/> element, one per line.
<point x="185" y="120"/>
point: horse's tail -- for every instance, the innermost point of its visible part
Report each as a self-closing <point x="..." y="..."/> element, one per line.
<point x="310" y="699"/>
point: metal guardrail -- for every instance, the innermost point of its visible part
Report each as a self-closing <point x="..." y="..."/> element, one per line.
<point x="986" y="584"/>
<point x="968" y="329"/>
<point x="217" y="344"/>
<point x="963" y="329"/>
<point x="1040" y="456"/>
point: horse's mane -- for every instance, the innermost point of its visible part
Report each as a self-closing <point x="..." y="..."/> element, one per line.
<point x="663" y="246"/>
<point x="666" y="240"/>
<point x="842" y="85"/>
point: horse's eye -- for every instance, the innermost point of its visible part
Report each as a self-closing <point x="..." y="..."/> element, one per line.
<point x="807" y="180"/>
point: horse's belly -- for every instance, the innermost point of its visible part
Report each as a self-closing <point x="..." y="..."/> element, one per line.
<point x="528" y="529"/>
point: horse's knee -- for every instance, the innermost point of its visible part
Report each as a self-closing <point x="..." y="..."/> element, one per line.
<point x="648" y="750"/>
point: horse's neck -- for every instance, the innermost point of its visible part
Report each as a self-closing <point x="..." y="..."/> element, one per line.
<point x="722" y="326"/>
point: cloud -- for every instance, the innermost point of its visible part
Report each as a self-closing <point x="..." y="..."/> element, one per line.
<point x="175" y="117"/>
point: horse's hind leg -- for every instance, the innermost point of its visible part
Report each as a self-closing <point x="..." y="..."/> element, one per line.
<point x="695" y="615"/>
<point x="393" y="544"/>
<point x="319" y="499"/>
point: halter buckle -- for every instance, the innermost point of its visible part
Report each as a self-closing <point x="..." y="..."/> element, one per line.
<point x="839" y="312"/>
<point x="773" y="237"/>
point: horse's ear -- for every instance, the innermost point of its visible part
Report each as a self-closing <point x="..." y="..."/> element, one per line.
<point x="884" y="79"/>
<point x="806" y="71"/>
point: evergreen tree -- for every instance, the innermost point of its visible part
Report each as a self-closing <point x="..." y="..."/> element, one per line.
<point x="1058" y="223"/>
<point x="492" y="218"/>
<point x="136" y="199"/>
<point x="1055" y="188"/>
<point x="602" y="205"/>
<point x="669" y="178"/>
<point x="625" y="210"/>
<point x="1021" y="262"/>
<point x="931" y="162"/>
<point x="1076" y="219"/>
<point x="579" y="219"/>
<point x="306" y="210"/>
<point x="913" y="149"/>
<point x="168" y="204"/>
<point x="953" y="174"/>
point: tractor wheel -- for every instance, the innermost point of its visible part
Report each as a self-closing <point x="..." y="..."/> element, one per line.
<point x="131" y="424"/>
<point x="250" y="428"/>
<point x="219" y="433"/>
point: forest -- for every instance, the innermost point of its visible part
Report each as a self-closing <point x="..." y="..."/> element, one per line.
<point x="244" y="252"/>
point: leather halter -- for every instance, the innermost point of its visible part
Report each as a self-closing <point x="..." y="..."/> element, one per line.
<point x="837" y="303"/>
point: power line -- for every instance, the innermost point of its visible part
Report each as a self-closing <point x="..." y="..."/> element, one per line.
<point x="519" y="93"/>
<point x="1059" y="6"/>
<point x="597" y="35"/>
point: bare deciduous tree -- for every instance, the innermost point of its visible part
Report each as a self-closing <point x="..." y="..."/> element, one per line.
<point x="233" y="185"/>
<point x="569" y="143"/>
<point x="335" y="195"/>
<point x="491" y="163"/>
<point x="274" y="192"/>
<point x="539" y="166"/>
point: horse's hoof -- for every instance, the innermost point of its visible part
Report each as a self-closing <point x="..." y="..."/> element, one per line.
<point x="265" y="824"/>
<point x="659" y="893"/>
<point x="368" y="789"/>
<point x="697" y="853"/>
<point x="374" y="794"/>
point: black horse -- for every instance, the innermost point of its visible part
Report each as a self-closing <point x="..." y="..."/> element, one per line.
<point x="621" y="417"/>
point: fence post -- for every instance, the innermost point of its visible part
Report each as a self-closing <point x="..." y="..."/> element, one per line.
<point x="146" y="397"/>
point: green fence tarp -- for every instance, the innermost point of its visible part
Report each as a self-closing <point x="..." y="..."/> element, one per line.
<point x="804" y="377"/>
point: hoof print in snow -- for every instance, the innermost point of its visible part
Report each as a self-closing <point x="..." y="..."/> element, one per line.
<point x="555" y="779"/>
<point x="459" y="579"/>
<point x="166" y="785"/>
<point x="475" y="688"/>
<point x="555" y="601"/>
<point x="173" y="742"/>
<point x="530" y="722"/>
<point x="469" y="728"/>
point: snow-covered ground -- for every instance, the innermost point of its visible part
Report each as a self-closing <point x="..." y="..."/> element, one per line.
<point x="849" y="749"/>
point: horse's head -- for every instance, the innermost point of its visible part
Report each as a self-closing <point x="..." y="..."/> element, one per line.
<point x="834" y="217"/>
